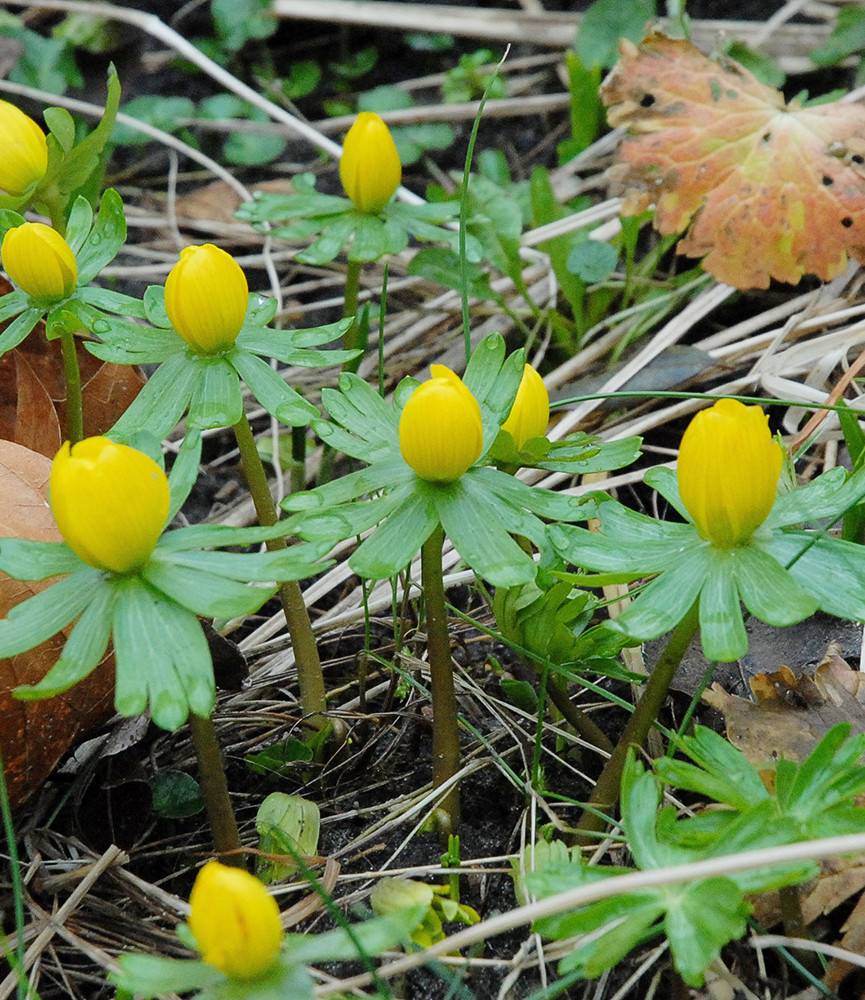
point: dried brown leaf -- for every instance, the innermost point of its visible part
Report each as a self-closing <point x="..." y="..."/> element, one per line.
<point x="763" y="189"/>
<point x="791" y="713"/>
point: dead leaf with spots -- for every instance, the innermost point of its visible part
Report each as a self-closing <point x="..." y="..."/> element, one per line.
<point x="791" y="713"/>
<point x="763" y="189"/>
<point x="35" y="735"/>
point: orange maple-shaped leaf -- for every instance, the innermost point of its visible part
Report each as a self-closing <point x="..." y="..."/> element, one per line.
<point x="765" y="188"/>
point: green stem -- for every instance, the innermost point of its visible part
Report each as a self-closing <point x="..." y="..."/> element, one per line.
<point x="579" y="721"/>
<point x="298" y="456"/>
<point x="446" y="734"/>
<point x="309" y="672"/>
<point x="214" y="787"/>
<point x="72" y="374"/>
<point x="352" y="338"/>
<point x="606" y="791"/>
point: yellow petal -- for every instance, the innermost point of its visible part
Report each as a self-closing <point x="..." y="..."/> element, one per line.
<point x="206" y="297"/>
<point x="110" y="502"/>
<point x="530" y="412"/>
<point x="25" y="150"/>
<point x="39" y="262"/>
<point x="235" y="921"/>
<point x="369" y="168"/>
<point x="728" y="471"/>
<point x="440" y="429"/>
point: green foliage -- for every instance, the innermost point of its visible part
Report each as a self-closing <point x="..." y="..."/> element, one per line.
<point x="472" y="75"/>
<point x="46" y="63"/>
<point x="354" y="66"/>
<point x="697" y="917"/>
<point x="782" y="574"/>
<point x="587" y="109"/>
<point x="592" y="261"/>
<point x="287" y="825"/>
<point x="153" y="109"/>
<point x="301" y="79"/>
<point x="338" y="227"/>
<point x="240" y="21"/>
<point x="812" y="799"/>
<point x="412" y="141"/>
<point x="604" y="23"/>
<point x="176" y="795"/>
<point x="846" y="39"/>
<point x="552" y="626"/>
<point x="392" y="896"/>
<point x="244" y="149"/>
<point x="278" y="757"/>
<point x="762" y="66"/>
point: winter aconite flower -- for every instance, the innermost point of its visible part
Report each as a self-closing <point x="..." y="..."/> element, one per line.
<point x="206" y="297"/>
<point x="235" y="921"/>
<point x="367" y="224"/>
<point x="122" y="580"/>
<point x="25" y="151"/>
<point x="110" y="503"/>
<point x="440" y="429"/>
<point x="235" y="924"/>
<point x="209" y="336"/>
<point x="530" y="413"/>
<point x="728" y="471"/>
<point x="425" y="455"/>
<point x="369" y="168"/>
<point x="740" y="543"/>
<point x="39" y="262"/>
<point x="52" y="273"/>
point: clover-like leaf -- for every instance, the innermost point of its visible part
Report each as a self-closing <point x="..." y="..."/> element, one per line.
<point x="763" y="189"/>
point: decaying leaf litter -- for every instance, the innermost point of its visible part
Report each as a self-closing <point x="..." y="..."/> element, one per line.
<point x="795" y="345"/>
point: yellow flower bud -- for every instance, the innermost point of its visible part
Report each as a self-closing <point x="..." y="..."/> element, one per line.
<point x="440" y="430"/>
<point x="110" y="502"/>
<point x="25" y="150"/>
<point x="369" y="168"/>
<point x="206" y="296"/>
<point x="728" y="471"/>
<point x="530" y="413"/>
<point x="235" y="921"/>
<point x="39" y="262"/>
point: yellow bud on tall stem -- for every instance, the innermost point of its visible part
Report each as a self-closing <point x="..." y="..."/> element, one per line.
<point x="110" y="503"/>
<point x="728" y="471"/>
<point x="369" y="168"/>
<point x="25" y="151"/>
<point x="206" y="297"/>
<point x="39" y="262"/>
<point x="530" y="412"/>
<point x="440" y="429"/>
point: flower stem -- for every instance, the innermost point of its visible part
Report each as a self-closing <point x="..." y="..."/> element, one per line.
<point x="352" y="338"/>
<point x="579" y="720"/>
<point x="446" y="734"/>
<point x="309" y="672"/>
<point x="72" y="374"/>
<point x="606" y="791"/>
<point x="298" y="458"/>
<point x="211" y="771"/>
